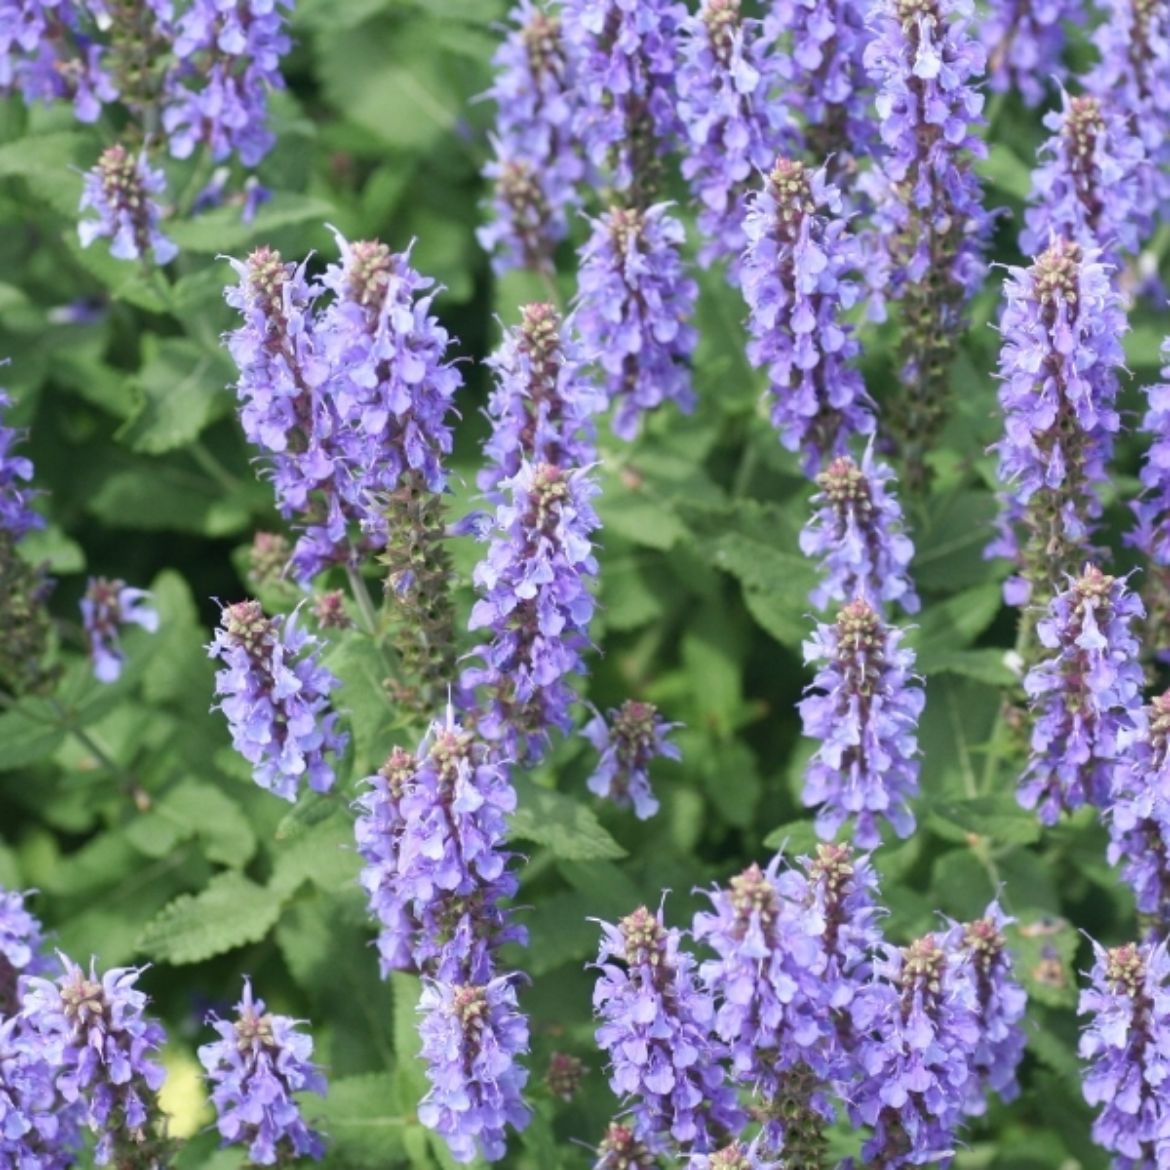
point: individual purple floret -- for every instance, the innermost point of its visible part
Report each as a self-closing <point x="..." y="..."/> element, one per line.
<point x="864" y="709"/>
<point x="536" y="166"/>
<point x="656" y="1029"/>
<point x="431" y="831"/>
<point x="394" y="382"/>
<point x="774" y="1001"/>
<point x="918" y="1030"/>
<point x="797" y="279"/>
<point x="106" y="607"/>
<point x="633" y="305"/>
<point x="542" y="405"/>
<point x="626" y="115"/>
<point x="734" y="124"/>
<point x="1093" y="187"/>
<point x="1025" y="42"/>
<point x="858" y="536"/>
<point x="929" y="224"/>
<point x="227" y="62"/>
<point x="275" y="694"/>
<point x="17" y="517"/>
<point x="1151" y="530"/>
<point x="121" y="190"/>
<point x="37" y="1132"/>
<point x="1085" y="697"/>
<point x="1139" y="812"/>
<point x="634" y="735"/>
<point x="21" y="944"/>
<point x="1133" y="73"/>
<point x="536" y="606"/>
<point x="1061" y="327"/>
<point x="1000" y="1003"/>
<point x="1124" y="1046"/>
<point x="472" y="1035"/>
<point x="819" y="51"/>
<point x="259" y="1061"/>
<point x="102" y="1047"/>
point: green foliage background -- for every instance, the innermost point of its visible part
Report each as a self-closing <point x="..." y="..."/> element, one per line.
<point x="124" y="805"/>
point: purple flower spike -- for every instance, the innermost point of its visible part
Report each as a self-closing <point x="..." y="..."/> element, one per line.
<point x="259" y="1061"/>
<point x="536" y="604"/>
<point x="536" y="168"/>
<point x="798" y="285"/>
<point x="1124" y="1047"/>
<point x="622" y="1149"/>
<point x="1133" y="73"/>
<point x="1025" y="42"/>
<point x="542" y="405"/>
<point x="1000" y="1005"/>
<point x="105" y="608"/>
<point x="431" y="831"/>
<point x="1151" y="531"/>
<point x="228" y="61"/>
<point x="918" y="1029"/>
<point x="864" y="709"/>
<point x="634" y="736"/>
<point x="929" y="224"/>
<point x="17" y="517"/>
<point x="1085" y="697"/>
<point x="820" y="55"/>
<point x="102" y="1046"/>
<point x="121" y="190"/>
<point x="1093" y="187"/>
<point x="632" y="307"/>
<point x="37" y="1131"/>
<point x="1059" y="364"/>
<point x="21" y="944"/>
<point x="626" y="116"/>
<point x="773" y="999"/>
<point x="733" y="124"/>
<point x="857" y="533"/>
<point x="275" y="695"/>
<point x="471" y="1037"/>
<point x="1139" y="815"/>
<point x="656" y="1023"/>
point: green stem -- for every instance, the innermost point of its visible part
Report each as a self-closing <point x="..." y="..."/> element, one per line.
<point x="214" y="468"/>
<point x="365" y="603"/>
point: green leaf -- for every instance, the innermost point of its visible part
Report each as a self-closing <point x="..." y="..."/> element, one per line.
<point x="565" y="825"/>
<point x="50" y="546"/>
<point x="998" y="818"/>
<point x="231" y="912"/>
<point x="180" y="389"/>
<point x="796" y="838"/>
<point x="30" y="731"/>
<point x="50" y="164"/>
<point x="947" y="626"/>
<point x="985" y="665"/>
<point x="323" y="854"/>
<point x="195" y="809"/>
<point x="357" y="1116"/>
<point x="222" y="231"/>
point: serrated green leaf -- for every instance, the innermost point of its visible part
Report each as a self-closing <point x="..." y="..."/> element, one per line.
<point x="222" y="231"/>
<point x="324" y="854"/>
<point x="564" y="825"/>
<point x="357" y="1117"/>
<point x="29" y="732"/>
<point x="231" y="912"/>
<point x="195" y="809"/>
<point x="998" y="818"/>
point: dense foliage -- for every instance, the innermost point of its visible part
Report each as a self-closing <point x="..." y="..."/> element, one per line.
<point x="584" y="584"/>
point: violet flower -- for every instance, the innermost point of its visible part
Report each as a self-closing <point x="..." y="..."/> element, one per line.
<point x="121" y="190"/>
<point x="1139" y="812"/>
<point x="1061" y="328"/>
<point x="798" y="282"/>
<point x="37" y="1130"/>
<point x="632" y="309"/>
<point x="1085" y="697"/>
<point x="106" y="607"/>
<point x="536" y="606"/>
<point x="17" y="517"/>
<point x="634" y="735"/>
<point x="1025" y="42"/>
<point x="864" y="708"/>
<point x="1124" y="1046"/>
<point x="542" y="404"/>
<point x="471" y="1037"/>
<point x="656" y="1029"/>
<point x="536" y="167"/>
<point x="275" y="695"/>
<point x="857" y="532"/>
<point x="259" y="1061"/>
<point x="734" y="123"/>
<point x="1093" y="186"/>
<point x="95" y="1033"/>
<point x="21" y="946"/>
<point x="626" y="116"/>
